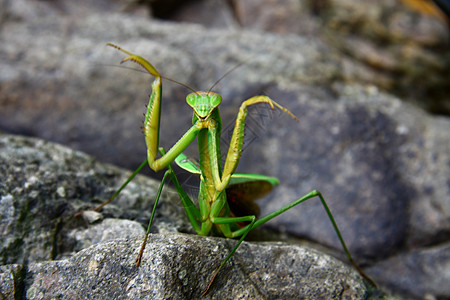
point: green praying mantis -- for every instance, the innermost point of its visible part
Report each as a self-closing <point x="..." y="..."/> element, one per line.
<point x="219" y="184"/>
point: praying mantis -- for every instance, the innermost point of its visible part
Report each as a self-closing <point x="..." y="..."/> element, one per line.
<point x="216" y="181"/>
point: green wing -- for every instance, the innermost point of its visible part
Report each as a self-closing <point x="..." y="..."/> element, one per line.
<point x="238" y="178"/>
<point x="187" y="164"/>
<point x="243" y="189"/>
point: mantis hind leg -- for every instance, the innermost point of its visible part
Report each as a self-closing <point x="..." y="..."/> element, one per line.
<point x="242" y="232"/>
<point x="228" y="233"/>
<point x="308" y="196"/>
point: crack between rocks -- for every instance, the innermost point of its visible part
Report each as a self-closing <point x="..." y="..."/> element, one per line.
<point x="19" y="282"/>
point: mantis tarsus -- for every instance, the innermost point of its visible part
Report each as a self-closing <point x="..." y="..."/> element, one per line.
<point x="214" y="210"/>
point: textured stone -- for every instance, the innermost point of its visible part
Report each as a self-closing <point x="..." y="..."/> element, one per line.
<point x="178" y="266"/>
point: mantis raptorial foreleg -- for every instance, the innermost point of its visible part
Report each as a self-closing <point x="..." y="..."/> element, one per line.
<point x="235" y="149"/>
<point x="153" y="117"/>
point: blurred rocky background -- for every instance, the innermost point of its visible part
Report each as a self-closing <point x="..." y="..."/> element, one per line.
<point x="369" y="81"/>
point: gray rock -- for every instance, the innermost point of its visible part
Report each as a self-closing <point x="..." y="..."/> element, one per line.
<point x="43" y="185"/>
<point x="107" y="230"/>
<point x="399" y="46"/>
<point x="179" y="267"/>
<point x="371" y="154"/>
<point x="91" y="216"/>
<point x="429" y="264"/>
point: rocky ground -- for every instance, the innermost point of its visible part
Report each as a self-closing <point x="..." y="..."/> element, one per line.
<point x="366" y="85"/>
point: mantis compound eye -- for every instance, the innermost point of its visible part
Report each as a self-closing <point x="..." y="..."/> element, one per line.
<point x="191" y="99"/>
<point x="215" y="100"/>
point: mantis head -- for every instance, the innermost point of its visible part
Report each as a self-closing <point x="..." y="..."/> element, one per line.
<point x="203" y="103"/>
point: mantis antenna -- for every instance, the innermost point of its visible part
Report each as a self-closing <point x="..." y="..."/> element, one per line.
<point x="226" y="74"/>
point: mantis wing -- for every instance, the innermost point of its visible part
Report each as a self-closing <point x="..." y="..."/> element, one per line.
<point x="188" y="164"/>
<point x="243" y="189"/>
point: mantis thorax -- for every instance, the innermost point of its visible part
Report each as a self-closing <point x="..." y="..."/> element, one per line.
<point x="203" y="103"/>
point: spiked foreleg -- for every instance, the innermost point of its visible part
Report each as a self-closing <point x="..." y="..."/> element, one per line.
<point x="235" y="149"/>
<point x="153" y="117"/>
